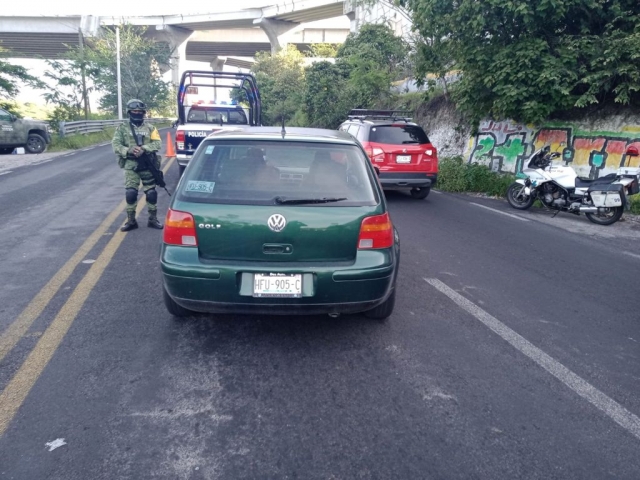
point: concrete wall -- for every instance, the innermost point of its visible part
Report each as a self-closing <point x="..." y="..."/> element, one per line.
<point x="593" y="146"/>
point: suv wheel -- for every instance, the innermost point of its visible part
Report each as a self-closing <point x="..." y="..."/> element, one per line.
<point x="35" y="144"/>
<point x="420" y="193"/>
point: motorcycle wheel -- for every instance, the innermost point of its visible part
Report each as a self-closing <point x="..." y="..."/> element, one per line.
<point x="517" y="198"/>
<point x="610" y="217"/>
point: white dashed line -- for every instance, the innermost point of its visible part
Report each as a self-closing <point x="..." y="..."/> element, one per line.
<point x="634" y="255"/>
<point x="86" y="149"/>
<point x="500" y="212"/>
<point x="436" y="191"/>
<point x="6" y="173"/>
<point x="607" y="405"/>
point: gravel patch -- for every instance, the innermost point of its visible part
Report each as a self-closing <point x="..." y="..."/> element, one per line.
<point x="10" y="162"/>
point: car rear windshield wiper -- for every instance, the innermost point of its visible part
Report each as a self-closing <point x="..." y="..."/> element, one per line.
<point x="410" y="141"/>
<point x="302" y="201"/>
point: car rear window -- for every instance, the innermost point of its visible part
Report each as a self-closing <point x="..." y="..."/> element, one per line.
<point x="268" y="172"/>
<point x="398" y="135"/>
<point x="218" y="116"/>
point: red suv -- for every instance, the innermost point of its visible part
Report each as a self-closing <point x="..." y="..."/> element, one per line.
<point x="398" y="148"/>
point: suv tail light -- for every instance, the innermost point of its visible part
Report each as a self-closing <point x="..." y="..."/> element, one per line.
<point x="180" y="139"/>
<point x="376" y="232"/>
<point x="180" y="229"/>
<point x="375" y="154"/>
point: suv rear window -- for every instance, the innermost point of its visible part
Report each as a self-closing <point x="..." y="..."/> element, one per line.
<point x="252" y="172"/>
<point x="217" y="115"/>
<point x="398" y="135"/>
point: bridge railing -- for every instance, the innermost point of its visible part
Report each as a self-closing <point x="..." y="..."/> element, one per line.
<point x="82" y="127"/>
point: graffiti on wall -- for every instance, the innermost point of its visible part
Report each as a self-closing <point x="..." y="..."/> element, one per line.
<point x="504" y="147"/>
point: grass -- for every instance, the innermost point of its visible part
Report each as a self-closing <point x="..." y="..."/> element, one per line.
<point x="635" y="204"/>
<point x="76" y="142"/>
<point x="456" y="175"/>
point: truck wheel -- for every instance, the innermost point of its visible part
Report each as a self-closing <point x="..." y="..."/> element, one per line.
<point x="181" y="169"/>
<point x="35" y="143"/>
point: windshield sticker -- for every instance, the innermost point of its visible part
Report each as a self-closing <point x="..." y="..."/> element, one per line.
<point x="200" y="187"/>
<point x="209" y="150"/>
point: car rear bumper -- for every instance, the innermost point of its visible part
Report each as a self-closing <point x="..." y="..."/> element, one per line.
<point x="326" y="289"/>
<point x="183" y="159"/>
<point x="407" y="180"/>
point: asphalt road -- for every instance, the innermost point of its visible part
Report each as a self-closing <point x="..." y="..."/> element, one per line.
<point x="513" y="352"/>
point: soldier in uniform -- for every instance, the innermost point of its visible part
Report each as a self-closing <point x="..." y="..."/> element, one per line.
<point x="125" y="147"/>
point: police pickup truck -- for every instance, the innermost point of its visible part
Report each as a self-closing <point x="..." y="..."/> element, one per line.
<point x="199" y="118"/>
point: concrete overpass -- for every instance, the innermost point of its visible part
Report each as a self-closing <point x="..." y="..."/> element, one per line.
<point x="231" y="38"/>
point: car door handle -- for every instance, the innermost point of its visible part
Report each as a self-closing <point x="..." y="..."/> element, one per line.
<point x="277" y="248"/>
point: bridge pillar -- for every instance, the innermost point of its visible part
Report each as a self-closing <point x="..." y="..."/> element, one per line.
<point x="177" y="39"/>
<point x="218" y="63"/>
<point x="274" y="30"/>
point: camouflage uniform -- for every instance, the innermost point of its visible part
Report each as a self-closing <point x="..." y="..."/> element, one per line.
<point x="122" y="141"/>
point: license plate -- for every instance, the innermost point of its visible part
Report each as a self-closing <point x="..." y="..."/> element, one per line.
<point x="277" y="285"/>
<point x="403" y="159"/>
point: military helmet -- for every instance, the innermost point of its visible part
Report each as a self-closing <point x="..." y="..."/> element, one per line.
<point x="135" y="104"/>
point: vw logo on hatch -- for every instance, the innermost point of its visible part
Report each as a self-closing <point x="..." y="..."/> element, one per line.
<point x="277" y="222"/>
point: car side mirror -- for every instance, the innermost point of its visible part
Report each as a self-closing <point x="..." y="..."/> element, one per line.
<point x="632" y="151"/>
<point x="14" y="118"/>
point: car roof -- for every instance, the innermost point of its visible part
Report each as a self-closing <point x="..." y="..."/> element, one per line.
<point x="293" y="134"/>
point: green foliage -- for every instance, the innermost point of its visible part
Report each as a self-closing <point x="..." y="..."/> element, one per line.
<point x="140" y="62"/>
<point x="455" y="175"/>
<point x="74" y="142"/>
<point x="635" y="204"/>
<point x="524" y="59"/>
<point x="326" y="105"/>
<point x="322" y="94"/>
<point x="281" y="81"/>
<point x="12" y="76"/>
<point x="323" y="50"/>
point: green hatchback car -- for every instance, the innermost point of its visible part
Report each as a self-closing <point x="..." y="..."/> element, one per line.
<point x="270" y="222"/>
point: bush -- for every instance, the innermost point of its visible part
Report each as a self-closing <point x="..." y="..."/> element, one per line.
<point x="635" y="204"/>
<point x="455" y="175"/>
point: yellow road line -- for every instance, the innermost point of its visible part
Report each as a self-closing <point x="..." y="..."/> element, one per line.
<point x="32" y="311"/>
<point x="20" y="385"/>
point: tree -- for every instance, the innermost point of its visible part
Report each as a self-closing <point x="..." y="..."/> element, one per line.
<point x="378" y="44"/>
<point x="280" y="78"/>
<point x="141" y="61"/>
<point x="69" y="93"/>
<point x="325" y="95"/>
<point x="11" y="76"/>
<point x="524" y="59"/>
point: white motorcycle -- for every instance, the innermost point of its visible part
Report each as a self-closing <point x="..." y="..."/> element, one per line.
<point x="602" y="200"/>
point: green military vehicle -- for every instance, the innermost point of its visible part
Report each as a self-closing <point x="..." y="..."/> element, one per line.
<point x="21" y="132"/>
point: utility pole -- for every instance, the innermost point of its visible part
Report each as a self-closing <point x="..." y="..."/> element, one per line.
<point x="118" y="73"/>
<point x="85" y="97"/>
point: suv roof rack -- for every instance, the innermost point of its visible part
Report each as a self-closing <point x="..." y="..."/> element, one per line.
<point x="394" y="115"/>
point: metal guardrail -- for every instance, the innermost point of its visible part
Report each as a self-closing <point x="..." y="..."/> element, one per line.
<point x="83" y="127"/>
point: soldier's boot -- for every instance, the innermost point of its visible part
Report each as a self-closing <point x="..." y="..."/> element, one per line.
<point x="153" y="221"/>
<point x="131" y="223"/>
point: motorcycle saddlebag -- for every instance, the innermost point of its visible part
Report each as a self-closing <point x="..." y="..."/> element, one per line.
<point x="611" y="195"/>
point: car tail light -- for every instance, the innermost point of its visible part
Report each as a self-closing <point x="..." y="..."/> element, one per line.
<point x="180" y="139"/>
<point x="375" y="154"/>
<point x="180" y="229"/>
<point x="376" y="232"/>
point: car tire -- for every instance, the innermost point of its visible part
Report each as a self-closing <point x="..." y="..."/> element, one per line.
<point x="4" y="151"/>
<point x="384" y="310"/>
<point x="35" y="143"/>
<point x="173" y="308"/>
<point x="420" y="193"/>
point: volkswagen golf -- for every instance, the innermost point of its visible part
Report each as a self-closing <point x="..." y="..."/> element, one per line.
<point x="279" y="222"/>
